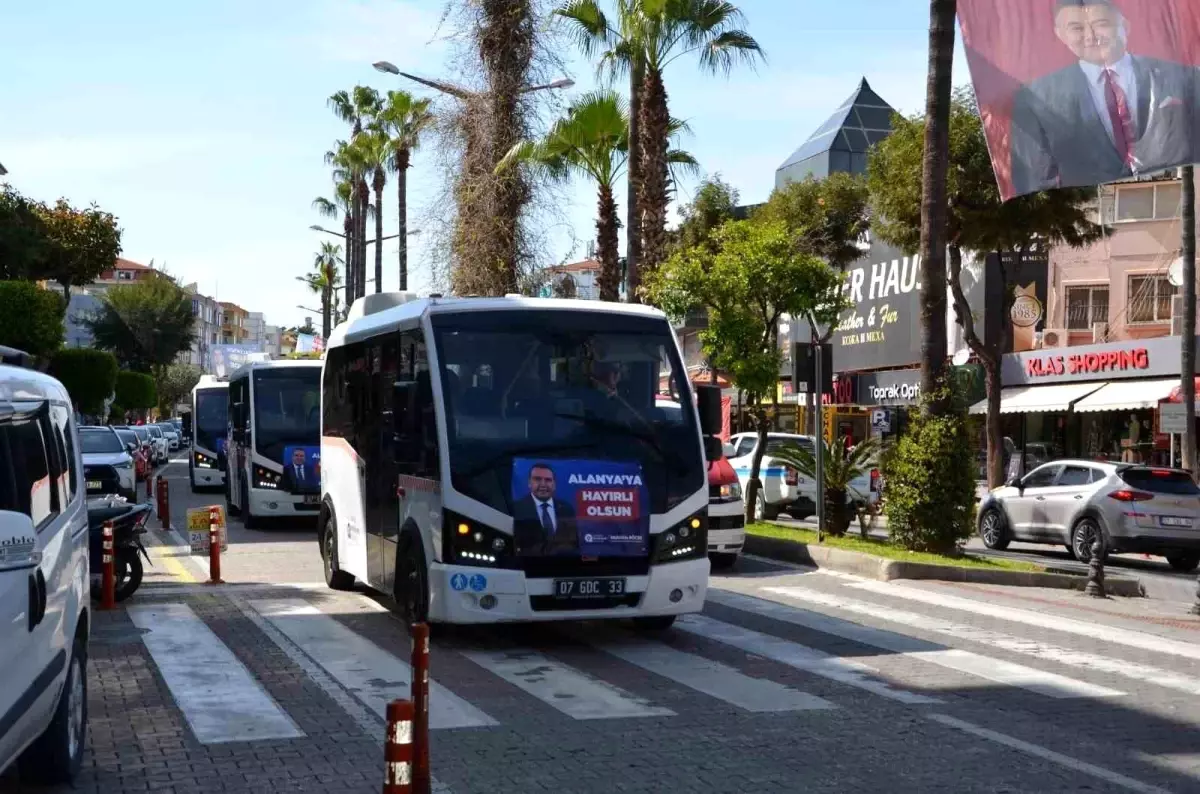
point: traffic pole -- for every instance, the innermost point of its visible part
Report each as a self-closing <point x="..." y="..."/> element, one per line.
<point x="214" y="545"/>
<point x="422" y="780"/>
<point x="164" y="503"/>
<point x="149" y="483"/>
<point x="398" y="748"/>
<point x="108" y="583"/>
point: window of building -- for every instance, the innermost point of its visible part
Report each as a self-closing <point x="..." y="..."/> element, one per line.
<point x="1086" y="305"/>
<point x="124" y="275"/>
<point x="1147" y="202"/>
<point x="1150" y="299"/>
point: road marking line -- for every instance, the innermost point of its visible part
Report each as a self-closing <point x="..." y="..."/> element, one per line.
<point x="370" y="723"/>
<point x="1039" y="681"/>
<point x="220" y="699"/>
<point x="798" y="656"/>
<point x="175" y="568"/>
<point x="373" y="675"/>
<point x="1107" y="775"/>
<point x="703" y="675"/>
<point x="963" y="661"/>
<point x="1099" y="631"/>
<point x="573" y="693"/>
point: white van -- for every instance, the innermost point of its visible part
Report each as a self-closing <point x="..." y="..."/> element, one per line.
<point x="43" y="577"/>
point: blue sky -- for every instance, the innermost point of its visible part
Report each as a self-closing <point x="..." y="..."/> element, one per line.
<point x="202" y="125"/>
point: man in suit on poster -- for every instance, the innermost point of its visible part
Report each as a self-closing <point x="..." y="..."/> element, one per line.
<point x="542" y="524"/>
<point x="297" y="475"/>
<point x="1109" y="115"/>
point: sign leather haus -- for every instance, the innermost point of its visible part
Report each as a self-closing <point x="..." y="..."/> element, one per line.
<point x="881" y="327"/>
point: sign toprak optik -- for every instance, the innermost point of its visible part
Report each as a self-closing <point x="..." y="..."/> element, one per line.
<point x="895" y="392"/>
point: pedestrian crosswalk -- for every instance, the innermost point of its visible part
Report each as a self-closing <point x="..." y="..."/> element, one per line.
<point x="786" y="649"/>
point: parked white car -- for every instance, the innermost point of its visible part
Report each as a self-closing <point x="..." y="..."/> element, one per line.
<point x="44" y="577"/>
<point x="785" y="490"/>
<point x="107" y="465"/>
<point x="172" y="433"/>
<point x="159" y="441"/>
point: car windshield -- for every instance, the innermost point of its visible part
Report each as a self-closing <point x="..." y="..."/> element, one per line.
<point x="287" y="409"/>
<point x="155" y="431"/>
<point x="99" y="442"/>
<point x="142" y="433"/>
<point x="211" y="413"/>
<point x="127" y="436"/>
<point x="577" y="385"/>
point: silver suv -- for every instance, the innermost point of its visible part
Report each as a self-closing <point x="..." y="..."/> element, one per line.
<point x="1142" y="509"/>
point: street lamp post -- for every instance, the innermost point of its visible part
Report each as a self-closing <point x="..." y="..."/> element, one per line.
<point x="457" y="91"/>
<point x="317" y="228"/>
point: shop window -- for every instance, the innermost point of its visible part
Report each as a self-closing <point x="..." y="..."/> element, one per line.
<point x="1150" y="299"/>
<point x="1086" y="305"/>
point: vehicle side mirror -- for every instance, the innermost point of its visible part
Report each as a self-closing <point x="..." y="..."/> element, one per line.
<point x="712" y="448"/>
<point x="708" y="405"/>
<point x="18" y="542"/>
<point x="1014" y="481"/>
<point x="131" y="447"/>
<point x="186" y="424"/>
<point x="728" y="450"/>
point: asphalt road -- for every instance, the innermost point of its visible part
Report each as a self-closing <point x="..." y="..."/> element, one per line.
<point x="790" y="680"/>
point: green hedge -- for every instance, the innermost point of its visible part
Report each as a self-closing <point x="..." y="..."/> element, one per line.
<point x="31" y="318"/>
<point x="89" y="375"/>
<point x="136" y="392"/>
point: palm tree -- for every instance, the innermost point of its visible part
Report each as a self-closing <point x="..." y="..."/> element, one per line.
<point x="351" y="167"/>
<point x="341" y="205"/>
<point x="373" y="150"/>
<point x="323" y="280"/>
<point x="842" y="465"/>
<point x="593" y="139"/>
<point x="651" y="34"/>
<point x="403" y="119"/>
<point x="934" y="166"/>
<point x="356" y="108"/>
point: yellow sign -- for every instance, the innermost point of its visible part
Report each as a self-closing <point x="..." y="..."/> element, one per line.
<point x="198" y="528"/>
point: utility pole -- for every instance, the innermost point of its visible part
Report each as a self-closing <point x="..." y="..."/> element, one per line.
<point x="820" y="442"/>
<point x="1187" y="368"/>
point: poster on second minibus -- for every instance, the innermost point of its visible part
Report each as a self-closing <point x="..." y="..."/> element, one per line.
<point x="589" y="508"/>
<point x="302" y="469"/>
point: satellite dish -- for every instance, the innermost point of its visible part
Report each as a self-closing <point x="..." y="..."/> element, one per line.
<point x="961" y="356"/>
<point x="1175" y="273"/>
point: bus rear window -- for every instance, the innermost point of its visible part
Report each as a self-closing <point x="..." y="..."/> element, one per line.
<point x="1166" y="481"/>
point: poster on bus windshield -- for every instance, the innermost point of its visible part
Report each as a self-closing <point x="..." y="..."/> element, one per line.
<point x="302" y="469"/>
<point x="588" y="508"/>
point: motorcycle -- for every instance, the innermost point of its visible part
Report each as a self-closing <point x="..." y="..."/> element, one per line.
<point x="129" y="524"/>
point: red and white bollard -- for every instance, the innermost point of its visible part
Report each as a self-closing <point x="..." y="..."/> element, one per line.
<point x="164" y="503"/>
<point x="108" y="582"/>
<point x="214" y="545"/>
<point x="398" y="749"/>
<point x="422" y="780"/>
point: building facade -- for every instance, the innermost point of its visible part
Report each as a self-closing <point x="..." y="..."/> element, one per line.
<point x="209" y="317"/>
<point x="233" y="324"/>
<point x="256" y="329"/>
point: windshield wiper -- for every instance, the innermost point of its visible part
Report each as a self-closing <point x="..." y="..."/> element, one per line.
<point x="533" y="449"/>
<point x="591" y="419"/>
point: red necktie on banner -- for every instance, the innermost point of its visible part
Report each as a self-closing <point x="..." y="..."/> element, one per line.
<point x="1118" y="113"/>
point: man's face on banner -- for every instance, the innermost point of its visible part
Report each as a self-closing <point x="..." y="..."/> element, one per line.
<point x="541" y="483"/>
<point x="298" y="457"/>
<point x="1096" y="32"/>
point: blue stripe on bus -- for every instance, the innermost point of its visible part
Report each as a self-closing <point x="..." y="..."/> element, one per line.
<point x="776" y="471"/>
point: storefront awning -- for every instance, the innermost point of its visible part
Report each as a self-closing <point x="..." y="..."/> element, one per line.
<point x="1128" y="395"/>
<point x="1035" y="399"/>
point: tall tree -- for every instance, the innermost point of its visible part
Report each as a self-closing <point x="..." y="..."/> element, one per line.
<point x="374" y="150"/>
<point x="651" y="34"/>
<point x="324" y="280"/>
<point x="81" y="244"/>
<point x="174" y="384"/>
<point x="976" y="223"/>
<point x="145" y="324"/>
<point x="935" y="161"/>
<point x="356" y="107"/>
<point x="714" y="202"/>
<point x="342" y="204"/>
<point x="22" y="237"/>
<point x="754" y="276"/>
<point x="827" y="218"/>
<point x="404" y="119"/>
<point x="1187" y="368"/>
<point x="351" y="167"/>
<point x="593" y="139"/>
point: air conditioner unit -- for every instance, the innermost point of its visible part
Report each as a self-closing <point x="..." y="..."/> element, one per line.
<point x="1054" y="337"/>
<point x="1099" y="333"/>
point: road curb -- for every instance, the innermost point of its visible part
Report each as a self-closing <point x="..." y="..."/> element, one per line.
<point x="883" y="569"/>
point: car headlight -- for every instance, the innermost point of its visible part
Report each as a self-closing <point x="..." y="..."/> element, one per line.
<point x="264" y="478"/>
<point x="732" y="490"/>
<point x="465" y="541"/>
<point x="687" y="540"/>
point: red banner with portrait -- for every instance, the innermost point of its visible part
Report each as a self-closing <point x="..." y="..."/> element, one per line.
<point x="1081" y="92"/>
